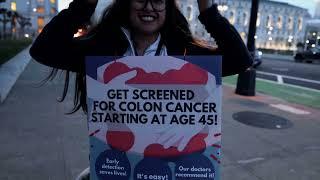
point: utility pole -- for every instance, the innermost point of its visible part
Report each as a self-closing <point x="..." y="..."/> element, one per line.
<point x="247" y="80"/>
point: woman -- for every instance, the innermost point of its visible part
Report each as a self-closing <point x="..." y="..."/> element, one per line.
<point x="134" y="27"/>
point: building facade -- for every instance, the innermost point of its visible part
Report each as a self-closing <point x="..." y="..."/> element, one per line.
<point x="280" y="26"/>
<point x="317" y="12"/>
<point x="38" y="13"/>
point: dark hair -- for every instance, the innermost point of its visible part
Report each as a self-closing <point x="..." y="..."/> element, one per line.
<point x="176" y="28"/>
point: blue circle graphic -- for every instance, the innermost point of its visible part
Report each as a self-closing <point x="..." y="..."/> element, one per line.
<point x="152" y="168"/>
<point x="113" y="164"/>
<point x="194" y="167"/>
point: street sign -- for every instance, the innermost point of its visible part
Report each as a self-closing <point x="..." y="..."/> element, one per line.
<point x="155" y="117"/>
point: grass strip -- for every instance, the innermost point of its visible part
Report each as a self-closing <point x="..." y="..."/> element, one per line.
<point x="291" y="94"/>
<point x="9" y="48"/>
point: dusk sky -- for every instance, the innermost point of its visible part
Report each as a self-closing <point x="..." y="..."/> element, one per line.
<point x="309" y="4"/>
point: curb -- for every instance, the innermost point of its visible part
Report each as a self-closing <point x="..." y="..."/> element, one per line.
<point x="11" y="70"/>
<point x="278" y="56"/>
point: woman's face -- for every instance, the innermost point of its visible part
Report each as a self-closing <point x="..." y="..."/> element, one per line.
<point x="147" y="16"/>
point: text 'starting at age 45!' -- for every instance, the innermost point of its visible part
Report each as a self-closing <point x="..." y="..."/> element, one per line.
<point x="154" y="118"/>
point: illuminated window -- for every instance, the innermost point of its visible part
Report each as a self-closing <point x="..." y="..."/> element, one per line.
<point x="279" y="22"/>
<point x="53" y="1"/>
<point x="269" y="21"/>
<point x="290" y="23"/>
<point x="243" y="36"/>
<point x="258" y="20"/>
<point x="245" y="18"/>
<point x="189" y="13"/>
<point x="13" y="6"/>
<point x="232" y="17"/>
<point x="40" y="22"/>
<point x="39" y="30"/>
<point x="40" y="9"/>
<point x="300" y="24"/>
<point x="53" y="11"/>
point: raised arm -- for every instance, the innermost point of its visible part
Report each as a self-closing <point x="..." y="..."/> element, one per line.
<point x="236" y="57"/>
<point x="55" y="45"/>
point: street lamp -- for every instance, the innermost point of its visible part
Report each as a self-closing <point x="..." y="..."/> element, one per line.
<point x="223" y="8"/>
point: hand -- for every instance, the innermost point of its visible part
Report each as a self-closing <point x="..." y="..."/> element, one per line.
<point x="204" y="4"/>
<point x="180" y="136"/>
<point x="98" y="93"/>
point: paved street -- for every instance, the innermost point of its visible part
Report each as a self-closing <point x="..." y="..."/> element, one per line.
<point x="301" y="74"/>
<point x="39" y="142"/>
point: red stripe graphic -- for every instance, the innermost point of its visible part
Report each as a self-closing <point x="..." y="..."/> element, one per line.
<point x="94" y="133"/>
<point x="188" y="74"/>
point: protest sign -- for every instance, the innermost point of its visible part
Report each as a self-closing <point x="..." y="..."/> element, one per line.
<point x="154" y="117"/>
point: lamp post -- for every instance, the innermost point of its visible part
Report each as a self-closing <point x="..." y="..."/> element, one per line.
<point x="222" y="6"/>
<point x="247" y="80"/>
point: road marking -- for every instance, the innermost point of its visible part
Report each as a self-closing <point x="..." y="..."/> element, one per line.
<point x="312" y="148"/>
<point x="279" y="79"/>
<point x="290" y="109"/>
<point x="289" y="77"/>
<point x="250" y="160"/>
<point x="280" y="69"/>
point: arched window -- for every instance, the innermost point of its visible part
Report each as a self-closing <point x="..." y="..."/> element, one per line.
<point x="269" y="21"/>
<point x="279" y="22"/>
<point x="290" y="23"/>
<point x="232" y="17"/>
<point x="245" y="19"/>
<point x="189" y="13"/>
<point x="300" y="24"/>
<point x="243" y="36"/>
<point x="258" y="20"/>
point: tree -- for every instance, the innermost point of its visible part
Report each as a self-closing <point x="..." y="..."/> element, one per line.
<point x="4" y="20"/>
<point x="13" y="19"/>
<point x="23" y="22"/>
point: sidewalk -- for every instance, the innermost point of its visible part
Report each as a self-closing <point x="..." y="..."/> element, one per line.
<point x="11" y="70"/>
<point x="39" y="142"/>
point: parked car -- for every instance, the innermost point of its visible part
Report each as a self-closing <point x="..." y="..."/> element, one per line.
<point x="311" y="55"/>
<point x="257" y="58"/>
